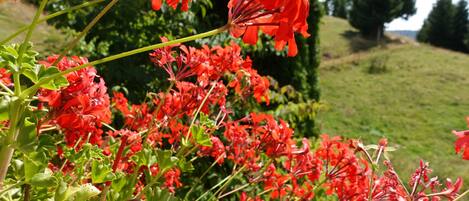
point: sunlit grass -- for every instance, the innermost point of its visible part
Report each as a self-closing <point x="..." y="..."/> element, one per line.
<point x="416" y="102"/>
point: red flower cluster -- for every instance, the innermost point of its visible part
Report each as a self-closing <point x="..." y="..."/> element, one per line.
<point x="210" y="65"/>
<point x="280" y="19"/>
<point x="262" y="148"/>
<point x="462" y="143"/>
<point x="79" y="108"/>
<point x="259" y="133"/>
<point x="421" y="182"/>
<point x="346" y="173"/>
<point x="162" y="118"/>
<point x="5" y="77"/>
<point x="156" y="4"/>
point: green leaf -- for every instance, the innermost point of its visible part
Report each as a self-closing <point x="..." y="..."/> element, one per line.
<point x="146" y="157"/>
<point x="119" y="183"/>
<point x="206" y="121"/>
<point x="4" y="108"/>
<point x="160" y="194"/>
<point x="34" y="162"/>
<point x="166" y="160"/>
<point x="185" y="166"/>
<point x="200" y="137"/>
<point x="11" y="51"/>
<point x="62" y="192"/>
<point x="27" y="139"/>
<point x="43" y="180"/>
<point x="85" y="192"/>
<point x="54" y="84"/>
<point x="100" y="172"/>
<point x="33" y="73"/>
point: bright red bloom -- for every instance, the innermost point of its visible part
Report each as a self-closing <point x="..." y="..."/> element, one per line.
<point x="172" y="179"/>
<point x="347" y="175"/>
<point x="388" y="186"/>
<point x="217" y="150"/>
<point x="462" y="143"/>
<point x="154" y="169"/>
<point x="79" y="108"/>
<point x="133" y="139"/>
<point x="421" y="183"/>
<point x="211" y="65"/>
<point x="5" y="77"/>
<point x="156" y="4"/>
<point x="278" y="18"/>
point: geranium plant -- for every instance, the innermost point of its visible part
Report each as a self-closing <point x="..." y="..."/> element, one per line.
<point x="63" y="137"/>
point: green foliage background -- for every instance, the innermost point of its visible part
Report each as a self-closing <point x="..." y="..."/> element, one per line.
<point x="132" y="24"/>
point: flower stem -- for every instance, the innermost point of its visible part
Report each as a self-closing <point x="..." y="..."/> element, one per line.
<point x="30" y="32"/>
<point x="17" y="107"/>
<point x="6" y="88"/>
<point x="48" y="17"/>
<point x="36" y="86"/>
<point x="11" y="187"/>
<point x="462" y="195"/>
<point x="198" y="110"/>
<point x="202" y="176"/>
<point x="85" y="31"/>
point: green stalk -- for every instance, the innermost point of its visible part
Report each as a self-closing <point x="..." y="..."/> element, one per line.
<point x="6" y="150"/>
<point x="223" y="184"/>
<point x="17" y="107"/>
<point x="198" y="110"/>
<point x="85" y="31"/>
<point x="6" y="88"/>
<point x="30" y="31"/>
<point x="11" y="187"/>
<point x="48" y="17"/>
<point x="31" y="90"/>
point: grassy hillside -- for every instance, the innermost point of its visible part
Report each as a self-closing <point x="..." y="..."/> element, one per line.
<point x="15" y="14"/>
<point x="411" y="93"/>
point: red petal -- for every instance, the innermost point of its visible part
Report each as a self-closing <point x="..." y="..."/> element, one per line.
<point x="292" y="48"/>
<point x="251" y="35"/>
<point x="156" y="4"/>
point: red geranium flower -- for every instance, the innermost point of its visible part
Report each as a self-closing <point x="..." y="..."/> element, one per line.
<point x="79" y="108"/>
<point x="156" y="4"/>
<point x="462" y="143"/>
<point x="5" y="77"/>
<point x="278" y="18"/>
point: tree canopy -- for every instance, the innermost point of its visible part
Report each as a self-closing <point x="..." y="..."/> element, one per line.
<point x="369" y="16"/>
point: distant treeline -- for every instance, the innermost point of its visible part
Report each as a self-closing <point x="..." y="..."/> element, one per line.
<point x="446" y="26"/>
<point x="369" y="16"/>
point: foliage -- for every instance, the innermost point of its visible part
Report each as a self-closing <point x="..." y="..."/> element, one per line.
<point x="447" y="26"/>
<point x="129" y="25"/>
<point x="369" y="16"/>
<point x="129" y="19"/>
<point x="60" y="140"/>
<point x="337" y="8"/>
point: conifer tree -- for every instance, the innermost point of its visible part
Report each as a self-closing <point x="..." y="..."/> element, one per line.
<point x="340" y="8"/>
<point x="438" y="27"/>
<point x="369" y="16"/>
<point x="461" y="26"/>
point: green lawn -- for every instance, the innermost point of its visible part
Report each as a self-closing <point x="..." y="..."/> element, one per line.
<point x="416" y="102"/>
